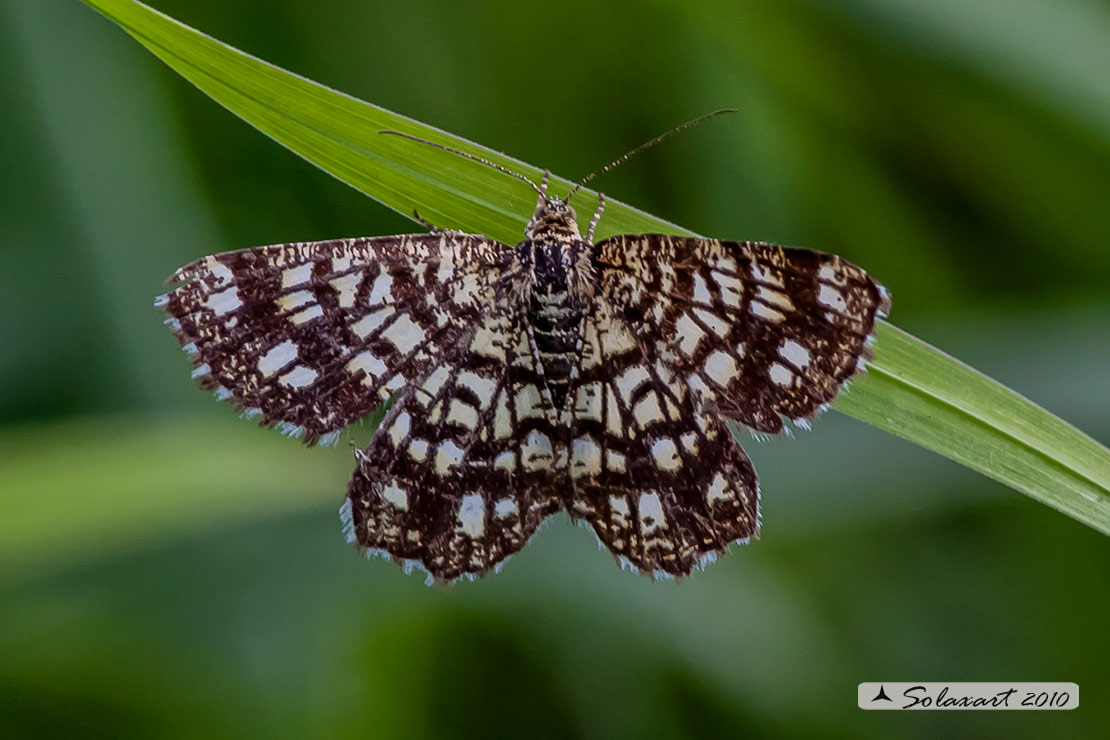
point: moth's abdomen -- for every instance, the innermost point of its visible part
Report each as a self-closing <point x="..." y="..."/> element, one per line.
<point x="555" y="313"/>
<point x="556" y="327"/>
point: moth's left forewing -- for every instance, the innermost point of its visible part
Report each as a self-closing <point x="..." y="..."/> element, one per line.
<point x="312" y="336"/>
<point x="759" y="331"/>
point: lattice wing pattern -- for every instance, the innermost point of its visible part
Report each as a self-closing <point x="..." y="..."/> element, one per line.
<point x="757" y="331"/>
<point x="313" y="336"/>
<point x="553" y="374"/>
<point x="464" y="466"/>
<point x="659" y="478"/>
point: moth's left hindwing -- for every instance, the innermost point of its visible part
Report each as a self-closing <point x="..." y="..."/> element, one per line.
<point x="313" y="336"/>
<point x="467" y="463"/>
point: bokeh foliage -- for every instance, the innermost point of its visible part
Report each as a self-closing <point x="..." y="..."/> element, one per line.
<point x="934" y="146"/>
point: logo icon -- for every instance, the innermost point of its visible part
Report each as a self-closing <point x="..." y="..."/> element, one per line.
<point x="882" y="694"/>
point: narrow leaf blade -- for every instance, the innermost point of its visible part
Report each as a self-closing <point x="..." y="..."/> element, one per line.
<point x="912" y="389"/>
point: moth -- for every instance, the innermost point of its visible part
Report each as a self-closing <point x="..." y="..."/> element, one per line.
<point x="557" y="374"/>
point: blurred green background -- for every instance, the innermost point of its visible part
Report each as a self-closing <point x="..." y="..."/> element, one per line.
<point x="167" y="570"/>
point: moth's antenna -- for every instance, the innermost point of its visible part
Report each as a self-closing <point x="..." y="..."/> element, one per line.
<point x="474" y="157"/>
<point x="644" y="146"/>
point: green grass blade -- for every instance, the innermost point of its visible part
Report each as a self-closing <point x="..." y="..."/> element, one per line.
<point x="912" y="389"/>
<point x="919" y="393"/>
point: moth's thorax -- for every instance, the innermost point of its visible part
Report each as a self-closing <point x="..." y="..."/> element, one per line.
<point x="560" y="260"/>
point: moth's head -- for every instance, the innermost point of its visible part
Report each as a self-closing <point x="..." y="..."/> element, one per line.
<point x="553" y="217"/>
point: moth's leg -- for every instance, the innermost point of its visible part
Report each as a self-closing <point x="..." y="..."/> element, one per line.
<point x="596" y="218"/>
<point x="430" y="226"/>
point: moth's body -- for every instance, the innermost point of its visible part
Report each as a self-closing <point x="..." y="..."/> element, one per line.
<point x="557" y="374"/>
<point x="561" y="284"/>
